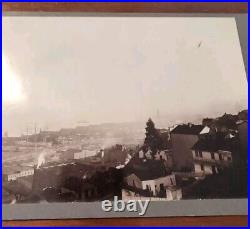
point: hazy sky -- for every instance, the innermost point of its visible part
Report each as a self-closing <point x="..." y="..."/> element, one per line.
<point x="59" y="71"/>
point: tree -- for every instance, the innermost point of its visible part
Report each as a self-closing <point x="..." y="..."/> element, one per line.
<point x="153" y="139"/>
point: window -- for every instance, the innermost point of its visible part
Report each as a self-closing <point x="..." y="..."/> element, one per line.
<point x="148" y="187"/>
<point x="212" y="156"/>
<point x="229" y="158"/>
<point x="202" y="167"/>
<point x="196" y="153"/>
<point x="220" y="157"/>
<point x="200" y="153"/>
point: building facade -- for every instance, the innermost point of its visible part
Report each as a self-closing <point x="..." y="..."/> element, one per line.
<point x="154" y="186"/>
<point x="210" y="157"/>
<point x="183" y="137"/>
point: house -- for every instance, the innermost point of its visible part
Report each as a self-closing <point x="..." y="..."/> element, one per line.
<point x="23" y="173"/>
<point x="68" y="154"/>
<point x="210" y="156"/>
<point x="163" y="155"/>
<point x="154" y="185"/>
<point x="150" y="178"/>
<point x="183" y="137"/>
<point x="166" y="156"/>
<point x="172" y="193"/>
<point x="84" y="154"/>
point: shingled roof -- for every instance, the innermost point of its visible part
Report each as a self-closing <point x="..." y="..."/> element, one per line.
<point x="189" y="129"/>
<point x="212" y="145"/>
<point x="150" y="170"/>
<point x="205" y="145"/>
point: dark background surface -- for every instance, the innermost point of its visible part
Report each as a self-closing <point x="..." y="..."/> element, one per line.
<point x="135" y="8"/>
<point x="165" y="7"/>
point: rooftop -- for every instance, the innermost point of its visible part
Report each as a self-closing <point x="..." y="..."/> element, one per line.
<point x="150" y="170"/>
<point x="212" y="145"/>
<point x="189" y="129"/>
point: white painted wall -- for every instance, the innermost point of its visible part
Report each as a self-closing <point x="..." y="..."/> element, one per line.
<point x="206" y="155"/>
<point x="226" y="155"/>
<point x="155" y="184"/>
<point x="208" y="169"/>
<point x="197" y="168"/>
<point x="174" y="194"/>
<point x="166" y="181"/>
<point x="216" y="156"/>
<point x="129" y="195"/>
<point x="83" y="154"/>
<point x="141" y="154"/>
<point x="21" y="174"/>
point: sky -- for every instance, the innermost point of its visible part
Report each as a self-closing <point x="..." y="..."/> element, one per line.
<point x="65" y="71"/>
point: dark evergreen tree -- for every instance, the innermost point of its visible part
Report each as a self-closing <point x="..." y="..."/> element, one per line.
<point x="153" y="139"/>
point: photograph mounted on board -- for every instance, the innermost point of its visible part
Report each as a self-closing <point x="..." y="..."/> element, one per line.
<point x="138" y="108"/>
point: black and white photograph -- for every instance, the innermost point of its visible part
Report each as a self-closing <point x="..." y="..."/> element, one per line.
<point x="123" y="108"/>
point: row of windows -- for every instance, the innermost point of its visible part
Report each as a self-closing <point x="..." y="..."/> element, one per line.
<point x="213" y="168"/>
<point x="161" y="185"/>
<point x="199" y="154"/>
<point x="21" y="174"/>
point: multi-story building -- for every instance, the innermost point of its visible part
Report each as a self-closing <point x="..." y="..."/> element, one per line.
<point x="210" y="156"/>
<point x="183" y="137"/>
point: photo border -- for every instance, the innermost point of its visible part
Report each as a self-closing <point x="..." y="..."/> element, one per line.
<point x="243" y="207"/>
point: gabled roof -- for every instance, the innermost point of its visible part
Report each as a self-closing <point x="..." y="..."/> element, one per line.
<point x="205" y="130"/>
<point x="150" y="170"/>
<point x="148" y="175"/>
<point x="212" y="145"/>
<point x="205" y="145"/>
<point x="189" y="129"/>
